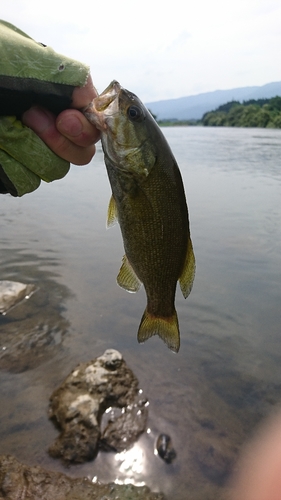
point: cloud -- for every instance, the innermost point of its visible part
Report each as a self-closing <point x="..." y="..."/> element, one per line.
<point x="156" y="49"/>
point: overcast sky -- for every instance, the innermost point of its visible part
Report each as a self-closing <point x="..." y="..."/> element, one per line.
<point x="160" y="50"/>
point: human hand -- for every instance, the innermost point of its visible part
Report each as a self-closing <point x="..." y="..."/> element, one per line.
<point x="70" y="135"/>
<point x="258" y="473"/>
<point x="41" y="127"/>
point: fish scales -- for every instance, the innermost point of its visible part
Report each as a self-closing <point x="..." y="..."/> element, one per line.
<point x="155" y="243"/>
<point x="149" y="202"/>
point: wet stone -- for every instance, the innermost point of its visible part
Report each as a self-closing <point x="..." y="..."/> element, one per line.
<point x="165" y="448"/>
<point x="18" y="481"/>
<point x="33" y="331"/>
<point x="98" y="406"/>
<point x="12" y="293"/>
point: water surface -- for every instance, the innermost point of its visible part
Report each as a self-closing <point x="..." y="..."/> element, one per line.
<point x="226" y="377"/>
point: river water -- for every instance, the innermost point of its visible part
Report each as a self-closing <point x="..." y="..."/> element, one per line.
<point x="211" y="395"/>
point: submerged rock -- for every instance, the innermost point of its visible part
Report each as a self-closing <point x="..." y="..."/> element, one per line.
<point x="33" y="331"/>
<point x="165" y="448"/>
<point x="105" y="384"/>
<point x="12" y="293"/>
<point x="18" y="481"/>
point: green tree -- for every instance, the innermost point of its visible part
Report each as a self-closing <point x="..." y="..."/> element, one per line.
<point x="234" y="116"/>
<point x="252" y="113"/>
<point x="275" y="122"/>
<point x="249" y="116"/>
<point x="275" y="103"/>
<point x="214" y="119"/>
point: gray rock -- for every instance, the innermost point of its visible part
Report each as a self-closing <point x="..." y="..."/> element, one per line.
<point x="12" y="293"/>
<point x="18" y="481"/>
<point x="104" y="386"/>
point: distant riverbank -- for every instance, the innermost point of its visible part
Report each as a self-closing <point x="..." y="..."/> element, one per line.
<point x="260" y="113"/>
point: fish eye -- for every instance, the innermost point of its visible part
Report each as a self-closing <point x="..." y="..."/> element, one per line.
<point x="135" y="113"/>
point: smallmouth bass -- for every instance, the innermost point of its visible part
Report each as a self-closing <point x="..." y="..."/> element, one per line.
<point x="148" y="200"/>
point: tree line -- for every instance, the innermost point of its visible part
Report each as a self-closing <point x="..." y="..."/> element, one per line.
<point x="264" y="113"/>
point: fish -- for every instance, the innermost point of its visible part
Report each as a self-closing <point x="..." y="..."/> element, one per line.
<point x="148" y="200"/>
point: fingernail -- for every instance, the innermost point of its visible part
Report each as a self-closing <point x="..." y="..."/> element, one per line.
<point x="70" y="125"/>
<point x="37" y="118"/>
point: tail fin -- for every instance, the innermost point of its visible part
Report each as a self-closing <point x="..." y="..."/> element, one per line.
<point x="166" y="328"/>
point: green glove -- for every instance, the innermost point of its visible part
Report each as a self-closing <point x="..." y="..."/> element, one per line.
<point x="31" y="74"/>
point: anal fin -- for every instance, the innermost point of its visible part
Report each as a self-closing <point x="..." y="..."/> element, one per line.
<point x="188" y="273"/>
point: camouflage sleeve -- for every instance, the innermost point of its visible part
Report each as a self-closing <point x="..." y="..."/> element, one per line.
<point x="31" y="73"/>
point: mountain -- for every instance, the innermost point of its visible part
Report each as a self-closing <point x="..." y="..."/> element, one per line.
<point x="194" y="106"/>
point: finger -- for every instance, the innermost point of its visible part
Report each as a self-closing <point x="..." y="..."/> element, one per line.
<point x="82" y="96"/>
<point x="258" y="476"/>
<point x="75" y="127"/>
<point x="43" y="123"/>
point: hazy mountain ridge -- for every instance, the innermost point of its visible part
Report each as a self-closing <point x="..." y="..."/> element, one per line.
<point x="193" y="107"/>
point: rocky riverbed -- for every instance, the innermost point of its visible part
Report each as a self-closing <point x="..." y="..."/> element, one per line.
<point x="21" y="482"/>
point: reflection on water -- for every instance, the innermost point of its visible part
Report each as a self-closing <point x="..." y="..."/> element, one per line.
<point x="130" y="464"/>
<point x="226" y="377"/>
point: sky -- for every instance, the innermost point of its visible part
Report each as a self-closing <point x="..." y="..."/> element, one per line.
<point x="160" y="50"/>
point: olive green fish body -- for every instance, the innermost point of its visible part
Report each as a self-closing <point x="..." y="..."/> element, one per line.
<point x="155" y="240"/>
<point x="149" y="202"/>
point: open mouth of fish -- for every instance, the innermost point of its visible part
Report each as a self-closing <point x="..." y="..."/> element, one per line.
<point x="106" y="104"/>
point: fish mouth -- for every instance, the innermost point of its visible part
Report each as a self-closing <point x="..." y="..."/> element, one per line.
<point x="103" y="102"/>
<point x="106" y="104"/>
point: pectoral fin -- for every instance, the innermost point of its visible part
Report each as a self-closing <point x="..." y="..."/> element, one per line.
<point x="127" y="277"/>
<point x="112" y="215"/>
<point x="187" y="276"/>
